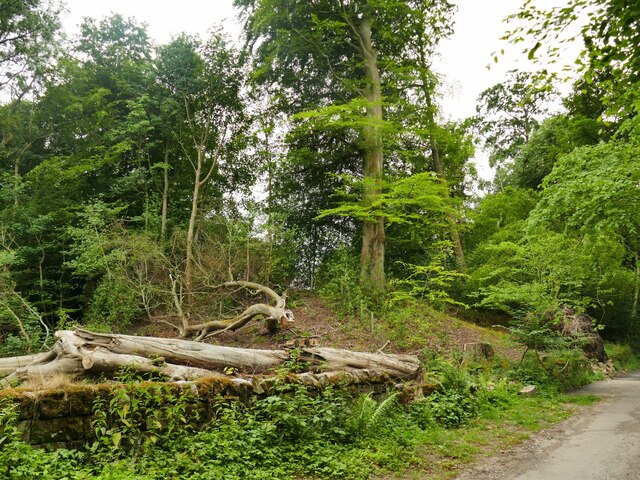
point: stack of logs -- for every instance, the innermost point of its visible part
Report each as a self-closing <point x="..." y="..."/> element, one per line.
<point x="82" y="352"/>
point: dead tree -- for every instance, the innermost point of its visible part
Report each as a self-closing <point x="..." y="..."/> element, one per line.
<point x="275" y="316"/>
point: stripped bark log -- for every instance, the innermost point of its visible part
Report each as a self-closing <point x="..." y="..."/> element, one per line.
<point x="11" y="364"/>
<point x="183" y="352"/>
<point x="101" y="361"/>
<point x="203" y="355"/>
<point x="82" y="351"/>
<point x="338" y="359"/>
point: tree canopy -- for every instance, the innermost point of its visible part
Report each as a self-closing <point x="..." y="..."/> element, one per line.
<point x="137" y="178"/>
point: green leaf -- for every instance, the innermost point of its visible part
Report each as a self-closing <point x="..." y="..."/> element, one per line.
<point x="532" y="52"/>
<point x="116" y="438"/>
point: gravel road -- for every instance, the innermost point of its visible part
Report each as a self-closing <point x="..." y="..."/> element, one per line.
<point x="601" y="443"/>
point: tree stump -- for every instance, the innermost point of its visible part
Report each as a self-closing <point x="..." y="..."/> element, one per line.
<point x="478" y="351"/>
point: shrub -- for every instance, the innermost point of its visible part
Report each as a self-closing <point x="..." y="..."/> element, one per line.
<point x="339" y="282"/>
<point x="557" y="370"/>
<point x="140" y="415"/>
<point x="622" y="356"/>
<point x="114" y="304"/>
<point x="452" y="408"/>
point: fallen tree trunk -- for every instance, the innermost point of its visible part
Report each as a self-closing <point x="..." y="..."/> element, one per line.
<point x="103" y="362"/>
<point x="11" y="364"/>
<point x="275" y="316"/>
<point x="78" y="352"/>
<point x="181" y="352"/>
<point x="213" y="357"/>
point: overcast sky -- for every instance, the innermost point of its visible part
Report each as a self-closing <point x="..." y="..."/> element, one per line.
<point x="463" y="61"/>
<point x="463" y="58"/>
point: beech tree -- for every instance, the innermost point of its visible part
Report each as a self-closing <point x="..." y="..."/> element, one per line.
<point x="346" y="60"/>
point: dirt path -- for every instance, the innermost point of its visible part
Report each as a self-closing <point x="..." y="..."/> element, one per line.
<point x="601" y="443"/>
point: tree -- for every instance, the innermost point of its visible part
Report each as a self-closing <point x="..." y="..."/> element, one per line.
<point x="500" y="216"/>
<point x="574" y="244"/>
<point x="88" y="135"/>
<point x="594" y="191"/>
<point x="555" y="136"/>
<point x="611" y="54"/>
<point x="205" y="81"/>
<point x="350" y="55"/>
<point x="95" y="116"/>
<point x="508" y="114"/>
<point x="27" y="40"/>
<point x="444" y="150"/>
<point x="27" y="29"/>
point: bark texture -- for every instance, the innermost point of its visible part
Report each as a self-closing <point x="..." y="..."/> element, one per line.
<point x="373" y="236"/>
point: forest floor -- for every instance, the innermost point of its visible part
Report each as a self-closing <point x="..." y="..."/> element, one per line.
<point x="442" y="334"/>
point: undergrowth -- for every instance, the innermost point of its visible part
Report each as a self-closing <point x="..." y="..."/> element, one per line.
<point x="293" y="432"/>
<point x="623" y="357"/>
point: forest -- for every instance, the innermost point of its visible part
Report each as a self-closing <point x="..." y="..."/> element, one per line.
<point x="142" y="184"/>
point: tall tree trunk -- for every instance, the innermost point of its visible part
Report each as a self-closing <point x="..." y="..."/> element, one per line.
<point x="451" y="219"/>
<point x="270" y="229"/>
<point x="16" y="183"/>
<point x="452" y="224"/>
<point x="165" y="193"/>
<point x="373" y="238"/>
<point x="188" y="270"/>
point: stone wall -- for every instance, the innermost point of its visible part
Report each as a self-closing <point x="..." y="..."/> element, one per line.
<point x="62" y="417"/>
<point x="56" y="418"/>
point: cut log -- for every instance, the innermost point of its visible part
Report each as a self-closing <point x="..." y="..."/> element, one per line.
<point x="100" y="361"/>
<point x="81" y="351"/>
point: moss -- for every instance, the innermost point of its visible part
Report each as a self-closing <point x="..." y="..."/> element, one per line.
<point x="63" y="415"/>
<point x="56" y="430"/>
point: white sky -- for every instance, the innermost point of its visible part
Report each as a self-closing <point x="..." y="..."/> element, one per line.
<point x="463" y="62"/>
<point x="164" y="18"/>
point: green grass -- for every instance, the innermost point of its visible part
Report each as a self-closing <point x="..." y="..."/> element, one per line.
<point x="579" y="399"/>
<point x="623" y="357"/>
<point x="440" y="453"/>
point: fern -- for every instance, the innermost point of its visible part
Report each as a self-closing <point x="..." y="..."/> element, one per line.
<point x="369" y="415"/>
